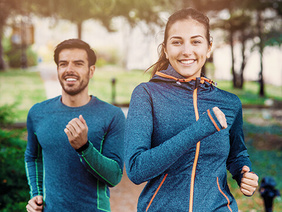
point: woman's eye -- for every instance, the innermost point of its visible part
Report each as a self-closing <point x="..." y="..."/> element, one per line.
<point x="176" y="42"/>
<point x="196" y="41"/>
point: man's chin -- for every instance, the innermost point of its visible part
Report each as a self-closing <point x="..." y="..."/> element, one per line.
<point x="72" y="92"/>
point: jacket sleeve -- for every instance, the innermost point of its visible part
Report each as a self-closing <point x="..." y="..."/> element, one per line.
<point x="143" y="162"/>
<point x="107" y="164"/>
<point x="238" y="155"/>
<point x="33" y="160"/>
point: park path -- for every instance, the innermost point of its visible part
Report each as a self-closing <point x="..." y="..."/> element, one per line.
<point x="125" y="195"/>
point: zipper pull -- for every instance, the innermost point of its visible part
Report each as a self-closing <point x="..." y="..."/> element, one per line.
<point x="178" y="83"/>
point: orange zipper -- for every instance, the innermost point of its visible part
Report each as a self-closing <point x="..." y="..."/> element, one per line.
<point x="196" y="155"/>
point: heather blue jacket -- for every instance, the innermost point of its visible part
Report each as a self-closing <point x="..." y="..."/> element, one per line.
<point x="162" y="144"/>
<point x="67" y="179"/>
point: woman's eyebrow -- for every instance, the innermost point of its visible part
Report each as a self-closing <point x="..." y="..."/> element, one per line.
<point x="179" y="37"/>
<point x="197" y="36"/>
<point x="175" y="37"/>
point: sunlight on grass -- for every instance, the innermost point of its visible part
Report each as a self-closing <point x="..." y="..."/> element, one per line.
<point x="126" y="81"/>
<point x="249" y="94"/>
<point x="21" y="89"/>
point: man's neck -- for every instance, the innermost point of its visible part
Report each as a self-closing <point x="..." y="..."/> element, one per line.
<point x="75" y="101"/>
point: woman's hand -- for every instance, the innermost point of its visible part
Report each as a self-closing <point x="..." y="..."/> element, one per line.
<point x="249" y="182"/>
<point x="220" y="117"/>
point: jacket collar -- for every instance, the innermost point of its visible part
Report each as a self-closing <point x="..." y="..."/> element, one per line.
<point x="170" y="75"/>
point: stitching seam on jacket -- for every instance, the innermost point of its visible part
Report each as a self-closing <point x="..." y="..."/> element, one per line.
<point x="156" y="193"/>
<point x="228" y="202"/>
<point x="213" y="121"/>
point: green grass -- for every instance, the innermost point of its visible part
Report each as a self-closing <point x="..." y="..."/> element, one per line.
<point x="126" y="81"/>
<point x="21" y="89"/>
<point x="249" y="93"/>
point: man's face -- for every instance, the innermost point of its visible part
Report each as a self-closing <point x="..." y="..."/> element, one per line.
<point x="73" y="71"/>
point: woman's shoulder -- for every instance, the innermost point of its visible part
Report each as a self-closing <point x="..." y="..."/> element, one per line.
<point x="228" y="96"/>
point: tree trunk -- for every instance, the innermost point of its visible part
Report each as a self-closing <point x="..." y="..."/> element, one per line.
<point x="243" y="64"/>
<point x="79" y="30"/>
<point x="2" y="64"/>
<point x="261" y="81"/>
<point x="232" y="58"/>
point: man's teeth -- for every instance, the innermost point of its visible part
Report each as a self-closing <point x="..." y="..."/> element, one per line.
<point x="71" y="80"/>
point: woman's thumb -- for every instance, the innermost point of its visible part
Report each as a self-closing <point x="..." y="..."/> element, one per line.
<point x="245" y="169"/>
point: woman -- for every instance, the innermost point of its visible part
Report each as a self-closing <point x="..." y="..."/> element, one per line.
<point x="182" y="132"/>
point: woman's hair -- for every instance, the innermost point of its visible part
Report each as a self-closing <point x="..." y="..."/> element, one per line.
<point x="187" y="13"/>
<point x="75" y="44"/>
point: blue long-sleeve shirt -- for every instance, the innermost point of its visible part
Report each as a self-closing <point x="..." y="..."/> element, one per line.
<point x="67" y="179"/>
<point x="161" y="139"/>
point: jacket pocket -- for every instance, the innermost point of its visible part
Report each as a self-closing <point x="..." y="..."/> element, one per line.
<point x="220" y="190"/>
<point x="160" y="185"/>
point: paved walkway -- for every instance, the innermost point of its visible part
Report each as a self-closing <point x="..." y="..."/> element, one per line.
<point x="48" y="74"/>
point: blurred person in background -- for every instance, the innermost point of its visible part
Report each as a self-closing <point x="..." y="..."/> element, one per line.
<point x="75" y="141"/>
<point x="182" y="132"/>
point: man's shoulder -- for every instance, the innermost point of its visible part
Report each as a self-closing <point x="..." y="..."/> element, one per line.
<point x="46" y="104"/>
<point x="106" y="107"/>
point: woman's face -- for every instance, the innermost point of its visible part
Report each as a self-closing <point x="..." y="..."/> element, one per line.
<point x="187" y="47"/>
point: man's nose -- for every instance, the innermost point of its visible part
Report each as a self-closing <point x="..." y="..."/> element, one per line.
<point x="69" y="67"/>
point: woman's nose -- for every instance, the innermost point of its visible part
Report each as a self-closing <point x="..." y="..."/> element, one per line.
<point x="187" y="49"/>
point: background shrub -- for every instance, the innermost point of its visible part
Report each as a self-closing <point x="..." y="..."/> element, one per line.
<point x="13" y="183"/>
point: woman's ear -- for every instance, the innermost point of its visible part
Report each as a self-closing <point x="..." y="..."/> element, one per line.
<point x="209" y="50"/>
<point x="166" y="55"/>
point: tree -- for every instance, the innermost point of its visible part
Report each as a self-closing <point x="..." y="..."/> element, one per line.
<point x="269" y="14"/>
<point x="7" y="8"/>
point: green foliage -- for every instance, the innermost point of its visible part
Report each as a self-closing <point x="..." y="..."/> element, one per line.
<point x="7" y="115"/>
<point x="13" y="184"/>
<point x="107" y="57"/>
<point x="14" y="57"/>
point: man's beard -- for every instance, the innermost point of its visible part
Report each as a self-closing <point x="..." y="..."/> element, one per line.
<point x="73" y="92"/>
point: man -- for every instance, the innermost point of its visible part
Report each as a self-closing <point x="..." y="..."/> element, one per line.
<point x="75" y="141"/>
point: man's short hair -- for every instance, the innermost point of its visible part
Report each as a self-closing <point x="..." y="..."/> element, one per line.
<point x="75" y="44"/>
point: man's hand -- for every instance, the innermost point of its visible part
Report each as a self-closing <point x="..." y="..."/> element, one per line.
<point x="220" y="117"/>
<point x="77" y="132"/>
<point x="35" y="204"/>
<point x="249" y="182"/>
